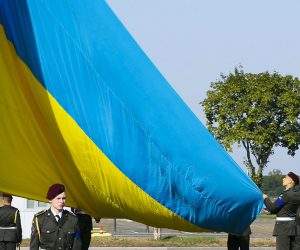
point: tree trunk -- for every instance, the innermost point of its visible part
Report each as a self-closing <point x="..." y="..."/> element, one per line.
<point x="259" y="175"/>
<point x="256" y="176"/>
<point x="248" y="162"/>
<point x="157" y="233"/>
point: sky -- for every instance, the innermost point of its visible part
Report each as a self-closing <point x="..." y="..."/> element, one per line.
<point x="192" y="41"/>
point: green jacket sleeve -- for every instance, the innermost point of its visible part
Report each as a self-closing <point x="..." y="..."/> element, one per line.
<point x="19" y="227"/>
<point x="35" y="239"/>
<point x="77" y="238"/>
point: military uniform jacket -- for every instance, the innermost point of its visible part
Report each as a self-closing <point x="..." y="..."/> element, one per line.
<point x="85" y="222"/>
<point x="47" y="233"/>
<point x="285" y="207"/>
<point x="10" y="224"/>
<point x="245" y="233"/>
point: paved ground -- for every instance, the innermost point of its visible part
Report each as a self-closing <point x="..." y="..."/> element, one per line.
<point x="178" y="248"/>
<point x="166" y="248"/>
<point x="173" y="248"/>
<point x="261" y="228"/>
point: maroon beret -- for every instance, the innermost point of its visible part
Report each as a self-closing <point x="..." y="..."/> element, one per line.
<point x="294" y="177"/>
<point x="7" y="195"/>
<point x="55" y="190"/>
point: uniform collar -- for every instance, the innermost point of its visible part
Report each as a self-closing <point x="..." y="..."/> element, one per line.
<point x="290" y="189"/>
<point x="59" y="214"/>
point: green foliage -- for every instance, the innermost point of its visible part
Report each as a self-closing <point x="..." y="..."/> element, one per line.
<point x="256" y="111"/>
<point x="272" y="183"/>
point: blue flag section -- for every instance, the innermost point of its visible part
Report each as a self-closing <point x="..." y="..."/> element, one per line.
<point x="81" y="104"/>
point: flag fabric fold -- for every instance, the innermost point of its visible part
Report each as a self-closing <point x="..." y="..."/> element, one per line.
<point x="81" y="104"/>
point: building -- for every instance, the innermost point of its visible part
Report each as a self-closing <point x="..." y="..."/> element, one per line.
<point x="27" y="209"/>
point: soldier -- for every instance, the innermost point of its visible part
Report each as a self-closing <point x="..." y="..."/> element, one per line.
<point x="85" y="223"/>
<point x="239" y="241"/>
<point x="297" y="238"/>
<point x="55" y="228"/>
<point x="285" y="207"/>
<point x="10" y="224"/>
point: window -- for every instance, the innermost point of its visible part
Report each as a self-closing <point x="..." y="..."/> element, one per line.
<point x="36" y="204"/>
<point x="42" y="204"/>
<point x="30" y="204"/>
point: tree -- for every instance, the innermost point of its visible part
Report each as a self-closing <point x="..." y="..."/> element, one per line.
<point x="272" y="183"/>
<point x="256" y="111"/>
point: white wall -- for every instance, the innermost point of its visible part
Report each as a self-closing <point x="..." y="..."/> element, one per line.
<point x="27" y="213"/>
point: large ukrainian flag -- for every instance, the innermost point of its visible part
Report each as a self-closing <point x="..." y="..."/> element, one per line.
<point x="81" y="104"/>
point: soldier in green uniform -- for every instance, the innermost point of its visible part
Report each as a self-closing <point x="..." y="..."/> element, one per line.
<point x="10" y="224"/>
<point x="285" y="207"/>
<point x="297" y="238"/>
<point x="55" y="228"/>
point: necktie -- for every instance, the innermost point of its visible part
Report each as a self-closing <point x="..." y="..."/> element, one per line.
<point x="57" y="218"/>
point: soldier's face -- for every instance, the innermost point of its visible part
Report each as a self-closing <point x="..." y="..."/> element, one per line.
<point x="59" y="201"/>
<point x="287" y="181"/>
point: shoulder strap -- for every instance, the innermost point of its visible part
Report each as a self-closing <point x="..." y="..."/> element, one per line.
<point x="16" y="214"/>
<point x="37" y="222"/>
<point x="37" y="226"/>
<point x="298" y="213"/>
<point x="69" y="213"/>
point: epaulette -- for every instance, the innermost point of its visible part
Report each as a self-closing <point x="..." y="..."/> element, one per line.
<point x="41" y="212"/>
<point x="70" y="213"/>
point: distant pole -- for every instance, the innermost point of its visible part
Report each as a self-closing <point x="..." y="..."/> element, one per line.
<point x="115" y="225"/>
<point x="147" y="229"/>
<point x="157" y="233"/>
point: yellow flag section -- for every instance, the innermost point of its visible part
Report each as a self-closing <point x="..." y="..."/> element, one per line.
<point x="41" y="145"/>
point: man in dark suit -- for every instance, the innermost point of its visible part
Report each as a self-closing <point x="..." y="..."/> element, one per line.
<point x="10" y="224"/>
<point x="285" y="207"/>
<point x="239" y="241"/>
<point x="85" y="223"/>
<point x="55" y="228"/>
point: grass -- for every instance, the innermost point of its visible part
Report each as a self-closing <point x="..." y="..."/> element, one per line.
<point x="267" y="216"/>
<point x="149" y="242"/>
<point x="174" y="241"/>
